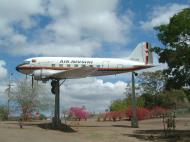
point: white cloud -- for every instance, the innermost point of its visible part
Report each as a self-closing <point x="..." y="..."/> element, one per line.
<point x="3" y="74"/>
<point x="76" y="28"/>
<point x="161" y="15"/>
<point x="14" y="11"/>
<point x="81" y="48"/>
<point x="3" y="70"/>
<point x="17" y="12"/>
<point x="93" y="93"/>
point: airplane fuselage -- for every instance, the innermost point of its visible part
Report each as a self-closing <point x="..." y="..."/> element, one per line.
<point x="45" y="68"/>
<point x="103" y="66"/>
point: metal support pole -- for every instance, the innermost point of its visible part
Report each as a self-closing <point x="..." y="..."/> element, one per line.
<point x="134" y="119"/>
<point x="56" y="119"/>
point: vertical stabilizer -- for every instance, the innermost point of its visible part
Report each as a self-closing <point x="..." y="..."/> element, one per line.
<point x="142" y="53"/>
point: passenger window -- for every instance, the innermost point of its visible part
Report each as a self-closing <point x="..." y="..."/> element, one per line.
<point x="75" y="65"/>
<point x="90" y="65"/>
<point x="83" y="65"/>
<point x="60" y="65"/>
<point x="98" y="66"/>
<point x="53" y="65"/>
<point x="68" y="65"/>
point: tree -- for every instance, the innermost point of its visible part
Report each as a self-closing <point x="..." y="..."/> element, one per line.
<point x="175" y="36"/>
<point x="152" y="82"/>
<point x="173" y="99"/>
<point x="121" y="104"/>
<point x="149" y="100"/>
<point x="30" y="99"/>
<point x="118" y="105"/>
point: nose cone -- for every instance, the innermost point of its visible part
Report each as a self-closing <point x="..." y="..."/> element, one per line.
<point x="17" y="68"/>
<point x="23" y="69"/>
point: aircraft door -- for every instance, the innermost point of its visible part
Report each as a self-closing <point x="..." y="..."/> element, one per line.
<point x="119" y="66"/>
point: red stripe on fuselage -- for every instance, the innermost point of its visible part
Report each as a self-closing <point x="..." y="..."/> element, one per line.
<point x="70" y="68"/>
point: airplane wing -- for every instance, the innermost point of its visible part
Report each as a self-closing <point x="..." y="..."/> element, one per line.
<point x="74" y="73"/>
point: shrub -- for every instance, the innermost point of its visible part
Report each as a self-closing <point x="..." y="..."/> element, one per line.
<point x="78" y="113"/>
<point x="3" y="113"/>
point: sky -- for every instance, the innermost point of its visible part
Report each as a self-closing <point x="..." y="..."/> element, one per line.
<point x="81" y="28"/>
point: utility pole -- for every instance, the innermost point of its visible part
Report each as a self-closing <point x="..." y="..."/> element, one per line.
<point x="9" y="93"/>
<point x="134" y="119"/>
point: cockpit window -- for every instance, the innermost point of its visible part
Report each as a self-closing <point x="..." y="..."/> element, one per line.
<point x="33" y="60"/>
<point x="25" y="63"/>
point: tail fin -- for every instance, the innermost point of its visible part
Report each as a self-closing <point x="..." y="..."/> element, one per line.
<point x="142" y="53"/>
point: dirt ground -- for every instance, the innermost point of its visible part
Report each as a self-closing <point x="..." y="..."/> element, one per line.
<point x="93" y="131"/>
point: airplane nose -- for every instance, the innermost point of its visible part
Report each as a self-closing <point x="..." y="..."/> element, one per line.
<point x="17" y="68"/>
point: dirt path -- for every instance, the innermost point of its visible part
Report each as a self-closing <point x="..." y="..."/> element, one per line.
<point x="93" y="131"/>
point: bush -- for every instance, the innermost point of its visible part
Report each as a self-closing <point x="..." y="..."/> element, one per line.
<point x="78" y="113"/>
<point x="3" y="113"/>
<point x="42" y="117"/>
<point x="142" y="113"/>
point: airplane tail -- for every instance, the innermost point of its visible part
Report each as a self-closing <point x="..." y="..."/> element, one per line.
<point x="142" y="53"/>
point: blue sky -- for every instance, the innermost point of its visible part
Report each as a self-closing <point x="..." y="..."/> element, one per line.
<point x="101" y="28"/>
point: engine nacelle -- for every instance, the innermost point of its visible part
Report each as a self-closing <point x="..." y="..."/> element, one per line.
<point x="43" y="74"/>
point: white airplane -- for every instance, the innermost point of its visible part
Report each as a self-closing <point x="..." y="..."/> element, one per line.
<point x="58" y="68"/>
